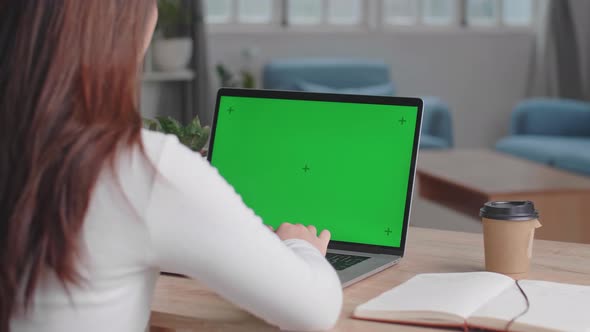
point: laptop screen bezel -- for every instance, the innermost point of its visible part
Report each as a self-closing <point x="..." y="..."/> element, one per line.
<point x="331" y="97"/>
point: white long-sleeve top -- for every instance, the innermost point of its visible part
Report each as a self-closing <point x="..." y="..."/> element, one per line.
<point x="174" y="212"/>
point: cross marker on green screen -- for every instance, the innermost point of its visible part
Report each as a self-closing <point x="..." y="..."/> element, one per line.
<point x="306" y="168"/>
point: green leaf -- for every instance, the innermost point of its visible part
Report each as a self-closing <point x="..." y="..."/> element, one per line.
<point x="170" y="126"/>
<point x="202" y="140"/>
<point x="193" y="135"/>
<point x="196" y="122"/>
<point x="173" y="17"/>
<point x="226" y="77"/>
<point x="248" y="80"/>
<point x="191" y="130"/>
<point x="151" y="124"/>
<point x="186" y="140"/>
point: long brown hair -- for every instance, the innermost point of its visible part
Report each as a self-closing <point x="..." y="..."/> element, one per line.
<point x="68" y="100"/>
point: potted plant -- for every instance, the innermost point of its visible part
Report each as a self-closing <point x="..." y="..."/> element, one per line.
<point x="246" y="78"/>
<point x="228" y="79"/>
<point x="193" y="135"/>
<point x="173" y="48"/>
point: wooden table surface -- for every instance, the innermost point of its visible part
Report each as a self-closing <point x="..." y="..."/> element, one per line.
<point x="463" y="180"/>
<point x="495" y="173"/>
<point x="185" y="305"/>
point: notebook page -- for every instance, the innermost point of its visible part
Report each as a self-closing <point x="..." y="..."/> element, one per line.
<point x="457" y="294"/>
<point x="553" y="307"/>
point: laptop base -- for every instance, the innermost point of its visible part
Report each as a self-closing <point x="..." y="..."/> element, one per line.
<point x="374" y="264"/>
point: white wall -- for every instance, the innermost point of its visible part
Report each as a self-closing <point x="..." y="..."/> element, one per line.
<point x="162" y="99"/>
<point x="480" y="74"/>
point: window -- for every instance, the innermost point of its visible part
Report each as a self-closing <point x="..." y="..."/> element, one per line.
<point x="493" y="12"/>
<point x="344" y="12"/>
<point x="332" y="12"/>
<point x="425" y="12"/>
<point x="298" y="12"/>
<point x="518" y="12"/>
<point x="438" y="12"/>
<point x="402" y="12"/>
<point x="482" y="12"/>
<point x="311" y="13"/>
<point x="239" y="11"/>
<point x="255" y="11"/>
<point x="219" y="11"/>
<point x="305" y="12"/>
<point x="489" y="13"/>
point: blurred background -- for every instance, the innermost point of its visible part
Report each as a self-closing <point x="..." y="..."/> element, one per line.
<point x="482" y="66"/>
<point x="475" y="55"/>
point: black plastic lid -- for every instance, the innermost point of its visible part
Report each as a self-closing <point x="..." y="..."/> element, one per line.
<point x="515" y="210"/>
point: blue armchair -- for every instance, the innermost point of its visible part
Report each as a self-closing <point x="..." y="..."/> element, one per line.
<point x="437" y="127"/>
<point x="555" y="132"/>
<point x="356" y="76"/>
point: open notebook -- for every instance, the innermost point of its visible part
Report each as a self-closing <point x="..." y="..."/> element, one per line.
<point x="482" y="300"/>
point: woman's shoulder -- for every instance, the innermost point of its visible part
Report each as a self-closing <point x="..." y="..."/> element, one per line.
<point x="166" y="151"/>
<point x="155" y="143"/>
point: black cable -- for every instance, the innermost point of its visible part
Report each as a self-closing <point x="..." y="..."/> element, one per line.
<point x="528" y="306"/>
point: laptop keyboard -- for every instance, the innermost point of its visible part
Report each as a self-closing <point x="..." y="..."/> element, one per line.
<point x="341" y="262"/>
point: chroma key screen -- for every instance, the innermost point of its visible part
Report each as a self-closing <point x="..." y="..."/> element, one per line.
<point x="344" y="167"/>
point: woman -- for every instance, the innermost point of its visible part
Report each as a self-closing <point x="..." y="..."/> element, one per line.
<point x="92" y="207"/>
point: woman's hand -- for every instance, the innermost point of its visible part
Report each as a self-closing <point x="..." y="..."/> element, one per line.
<point x="290" y="231"/>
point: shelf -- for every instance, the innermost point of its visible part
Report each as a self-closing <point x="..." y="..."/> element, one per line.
<point x="163" y="76"/>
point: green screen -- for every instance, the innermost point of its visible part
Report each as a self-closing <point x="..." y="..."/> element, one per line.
<point x="339" y="166"/>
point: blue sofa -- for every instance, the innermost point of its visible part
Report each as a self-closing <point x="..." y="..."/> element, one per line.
<point x="356" y="76"/>
<point x="555" y="132"/>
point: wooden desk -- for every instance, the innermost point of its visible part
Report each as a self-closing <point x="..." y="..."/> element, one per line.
<point x="463" y="180"/>
<point x="186" y="305"/>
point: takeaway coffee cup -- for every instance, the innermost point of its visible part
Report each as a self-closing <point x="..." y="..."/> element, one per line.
<point x="508" y="233"/>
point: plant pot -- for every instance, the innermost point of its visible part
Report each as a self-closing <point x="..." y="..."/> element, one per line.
<point x="172" y="54"/>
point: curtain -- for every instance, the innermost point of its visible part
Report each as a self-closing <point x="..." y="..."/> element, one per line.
<point x="559" y="58"/>
<point x="202" y="92"/>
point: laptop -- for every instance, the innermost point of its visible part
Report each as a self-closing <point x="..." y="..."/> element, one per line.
<point x="345" y="163"/>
